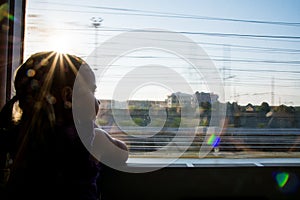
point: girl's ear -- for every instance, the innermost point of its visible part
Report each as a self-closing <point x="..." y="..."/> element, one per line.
<point x="67" y="94"/>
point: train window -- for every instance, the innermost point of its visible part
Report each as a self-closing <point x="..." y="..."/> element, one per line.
<point x="12" y="33"/>
<point x="197" y="80"/>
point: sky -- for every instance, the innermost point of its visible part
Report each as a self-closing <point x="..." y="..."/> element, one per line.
<point x="253" y="44"/>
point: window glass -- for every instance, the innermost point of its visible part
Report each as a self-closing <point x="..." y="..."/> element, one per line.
<point x="188" y="79"/>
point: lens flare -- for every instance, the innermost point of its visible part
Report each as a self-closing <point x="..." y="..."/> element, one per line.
<point x="213" y="140"/>
<point x="216" y="142"/>
<point x="11" y="17"/>
<point x="4" y="12"/>
<point x="30" y="73"/>
<point x="282" y="178"/>
<point x="286" y="182"/>
<point x="159" y="73"/>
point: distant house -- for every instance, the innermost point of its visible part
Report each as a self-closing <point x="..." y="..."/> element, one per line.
<point x="179" y="99"/>
<point x="106" y="103"/>
<point x="249" y="108"/>
<point x="146" y="103"/>
<point x="203" y="97"/>
<point x="282" y="119"/>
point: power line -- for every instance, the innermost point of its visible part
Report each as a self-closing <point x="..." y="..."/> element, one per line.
<point x="212" y="58"/>
<point x="285" y="38"/>
<point x="207" y="33"/>
<point x="168" y="14"/>
<point x="215" y="34"/>
<point x="233" y="46"/>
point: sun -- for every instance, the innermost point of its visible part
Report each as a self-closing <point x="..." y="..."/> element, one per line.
<point x="60" y="43"/>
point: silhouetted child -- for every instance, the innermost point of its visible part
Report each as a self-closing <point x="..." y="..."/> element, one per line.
<point x="53" y="150"/>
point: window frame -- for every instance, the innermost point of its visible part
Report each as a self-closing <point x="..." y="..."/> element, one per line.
<point x="12" y="45"/>
<point x="142" y="161"/>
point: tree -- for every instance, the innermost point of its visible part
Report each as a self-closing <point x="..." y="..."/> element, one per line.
<point x="264" y="107"/>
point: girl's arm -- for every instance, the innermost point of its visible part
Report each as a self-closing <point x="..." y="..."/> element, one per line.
<point x="109" y="150"/>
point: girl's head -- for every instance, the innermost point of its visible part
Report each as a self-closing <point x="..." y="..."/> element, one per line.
<point x="45" y="83"/>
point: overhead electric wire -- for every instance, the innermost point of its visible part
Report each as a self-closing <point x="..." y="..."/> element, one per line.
<point x="271" y="49"/>
<point x="285" y="37"/>
<point x="171" y="15"/>
<point x="235" y="47"/>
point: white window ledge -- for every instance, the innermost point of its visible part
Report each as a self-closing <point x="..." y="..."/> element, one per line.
<point x="215" y="162"/>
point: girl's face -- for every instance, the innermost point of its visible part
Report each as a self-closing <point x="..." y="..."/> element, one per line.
<point x="85" y="105"/>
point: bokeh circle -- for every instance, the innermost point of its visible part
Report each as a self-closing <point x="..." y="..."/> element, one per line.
<point x="179" y="46"/>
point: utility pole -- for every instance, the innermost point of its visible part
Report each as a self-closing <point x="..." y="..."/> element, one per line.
<point x="96" y="22"/>
<point x="227" y="67"/>
<point x="272" y="91"/>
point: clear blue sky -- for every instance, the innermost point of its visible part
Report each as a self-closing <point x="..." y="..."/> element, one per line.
<point x="228" y="30"/>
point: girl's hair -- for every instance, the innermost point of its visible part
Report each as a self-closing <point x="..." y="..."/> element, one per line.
<point x="38" y="87"/>
<point x="39" y="80"/>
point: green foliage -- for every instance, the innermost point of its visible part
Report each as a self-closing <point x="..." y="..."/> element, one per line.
<point x="204" y="122"/>
<point x="101" y="122"/>
<point x="176" y="122"/>
<point x="261" y="125"/>
<point x="138" y="121"/>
